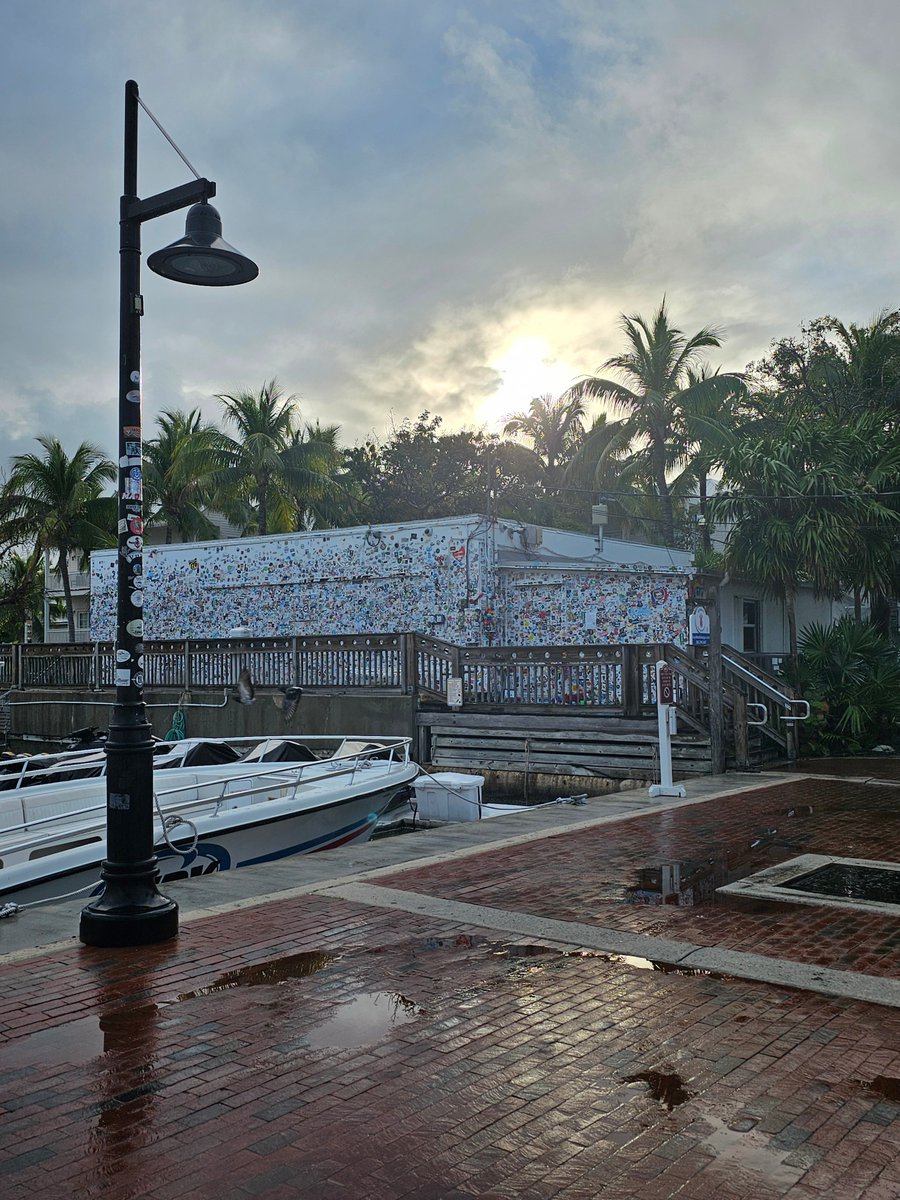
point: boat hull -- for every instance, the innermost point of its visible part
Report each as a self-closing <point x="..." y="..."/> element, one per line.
<point x="222" y="836"/>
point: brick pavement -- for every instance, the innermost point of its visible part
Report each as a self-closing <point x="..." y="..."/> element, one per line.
<point x="312" y="1047"/>
<point x="585" y="878"/>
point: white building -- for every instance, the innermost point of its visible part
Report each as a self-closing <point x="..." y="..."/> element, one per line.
<point x="469" y="580"/>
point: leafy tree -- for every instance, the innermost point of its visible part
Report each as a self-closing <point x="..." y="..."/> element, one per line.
<point x="835" y="368"/>
<point x="54" y="503"/>
<point x="606" y="467"/>
<point x="659" y="389"/>
<point x="253" y="485"/>
<point x="800" y="497"/>
<point x="419" y="473"/>
<point x="846" y="372"/>
<point x="180" y="466"/>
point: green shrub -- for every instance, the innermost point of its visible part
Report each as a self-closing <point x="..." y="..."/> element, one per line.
<point x="850" y="673"/>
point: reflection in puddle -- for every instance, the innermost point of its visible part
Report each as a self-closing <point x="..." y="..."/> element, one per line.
<point x="746" y="1150"/>
<point x="76" y="1042"/>
<point x="517" y="950"/>
<point x="277" y="970"/>
<point x="642" y="964"/>
<point x="128" y="1081"/>
<point x="79" y="1041"/>
<point x="462" y="941"/>
<point x="667" y="1089"/>
<point x="363" y="1020"/>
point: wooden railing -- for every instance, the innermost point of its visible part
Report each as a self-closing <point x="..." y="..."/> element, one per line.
<point x="9" y="658"/>
<point x="366" y="661"/>
<point x="619" y="680"/>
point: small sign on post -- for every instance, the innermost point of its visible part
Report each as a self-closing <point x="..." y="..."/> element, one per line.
<point x="699" y="627"/>
<point x="665" y="712"/>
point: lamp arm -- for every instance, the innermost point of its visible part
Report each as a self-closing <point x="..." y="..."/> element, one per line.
<point x="195" y="192"/>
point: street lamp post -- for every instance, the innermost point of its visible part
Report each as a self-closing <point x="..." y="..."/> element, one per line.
<point x="131" y="910"/>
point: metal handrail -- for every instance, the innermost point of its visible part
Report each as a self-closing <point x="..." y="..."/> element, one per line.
<point x="765" y="687"/>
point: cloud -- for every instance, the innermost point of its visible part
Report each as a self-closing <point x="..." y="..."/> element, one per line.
<point x="448" y="202"/>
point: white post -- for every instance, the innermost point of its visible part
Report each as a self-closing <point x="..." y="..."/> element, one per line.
<point x="665" y="704"/>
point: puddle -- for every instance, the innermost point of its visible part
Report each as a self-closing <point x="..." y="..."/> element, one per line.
<point x="79" y="1041"/>
<point x="276" y="971"/>
<point x="667" y="1089"/>
<point x="363" y="1020"/>
<point x="646" y="964"/>
<point x="642" y="964"/>
<point x="886" y="1086"/>
<point x="737" y="1145"/>
<point x="462" y="941"/>
<point x="515" y="950"/>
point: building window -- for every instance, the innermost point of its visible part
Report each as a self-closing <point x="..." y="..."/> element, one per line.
<point x="83" y="619"/>
<point x="750" y="639"/>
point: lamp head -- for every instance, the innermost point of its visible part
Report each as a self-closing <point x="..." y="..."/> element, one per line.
<point x="202" y="256"/>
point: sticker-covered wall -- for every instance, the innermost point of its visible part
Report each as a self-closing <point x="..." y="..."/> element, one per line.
<point x="547" y="607"/>
<point x="426" y="576"/>
<point x="445" y="577"/>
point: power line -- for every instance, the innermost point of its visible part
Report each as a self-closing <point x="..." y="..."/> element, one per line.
<point x="817" y="496"/>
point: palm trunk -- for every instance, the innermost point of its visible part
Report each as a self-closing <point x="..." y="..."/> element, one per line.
<point x="791" y="610"/>
<point x="662" y="487"/>
<point x="706" y="538"/>
<point x="67" y="592"/>
<point x="261" y="498"/>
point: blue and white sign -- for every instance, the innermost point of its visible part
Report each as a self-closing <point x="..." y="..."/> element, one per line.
<point x="698" y="627"/>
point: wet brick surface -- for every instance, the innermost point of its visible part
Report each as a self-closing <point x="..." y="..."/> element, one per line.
<point x="474" y="1068"/>
<point x="586" y="877"/>
<point x="314" y="1048"/>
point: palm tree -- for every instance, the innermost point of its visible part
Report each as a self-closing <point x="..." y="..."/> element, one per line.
<point x="554" y="427"/>
<point x="21" y="596"/>
<point x="54" y="502"/>
<point x="315" y="465"/>
<point x="252" y="486"/>
<point x="865" y="372"/>
<point x="180" y="465"/>
<point x="658" y="391"/>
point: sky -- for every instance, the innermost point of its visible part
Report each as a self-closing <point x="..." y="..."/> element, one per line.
<point x="451" y="203"/>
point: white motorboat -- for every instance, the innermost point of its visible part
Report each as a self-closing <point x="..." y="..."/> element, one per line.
<point x="220" y="804"/>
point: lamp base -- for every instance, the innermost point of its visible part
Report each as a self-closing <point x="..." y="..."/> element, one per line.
<point x="130" y="912"/>
<point x="129" y="925"/>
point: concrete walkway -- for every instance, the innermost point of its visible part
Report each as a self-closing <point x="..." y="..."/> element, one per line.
<point x="474" y="1011"/>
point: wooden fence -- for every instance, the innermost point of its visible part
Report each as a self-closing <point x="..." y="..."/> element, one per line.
<point x="612" y="680"/>
<point x="619" y="679"/>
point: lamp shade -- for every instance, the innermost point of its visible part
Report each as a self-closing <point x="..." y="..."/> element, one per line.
<point x="202" y="256"/>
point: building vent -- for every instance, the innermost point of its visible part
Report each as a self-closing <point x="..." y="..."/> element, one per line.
<point x="534" y="535"/>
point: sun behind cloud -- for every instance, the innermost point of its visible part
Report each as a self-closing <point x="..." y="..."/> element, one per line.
<point x="527" y="366"/>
